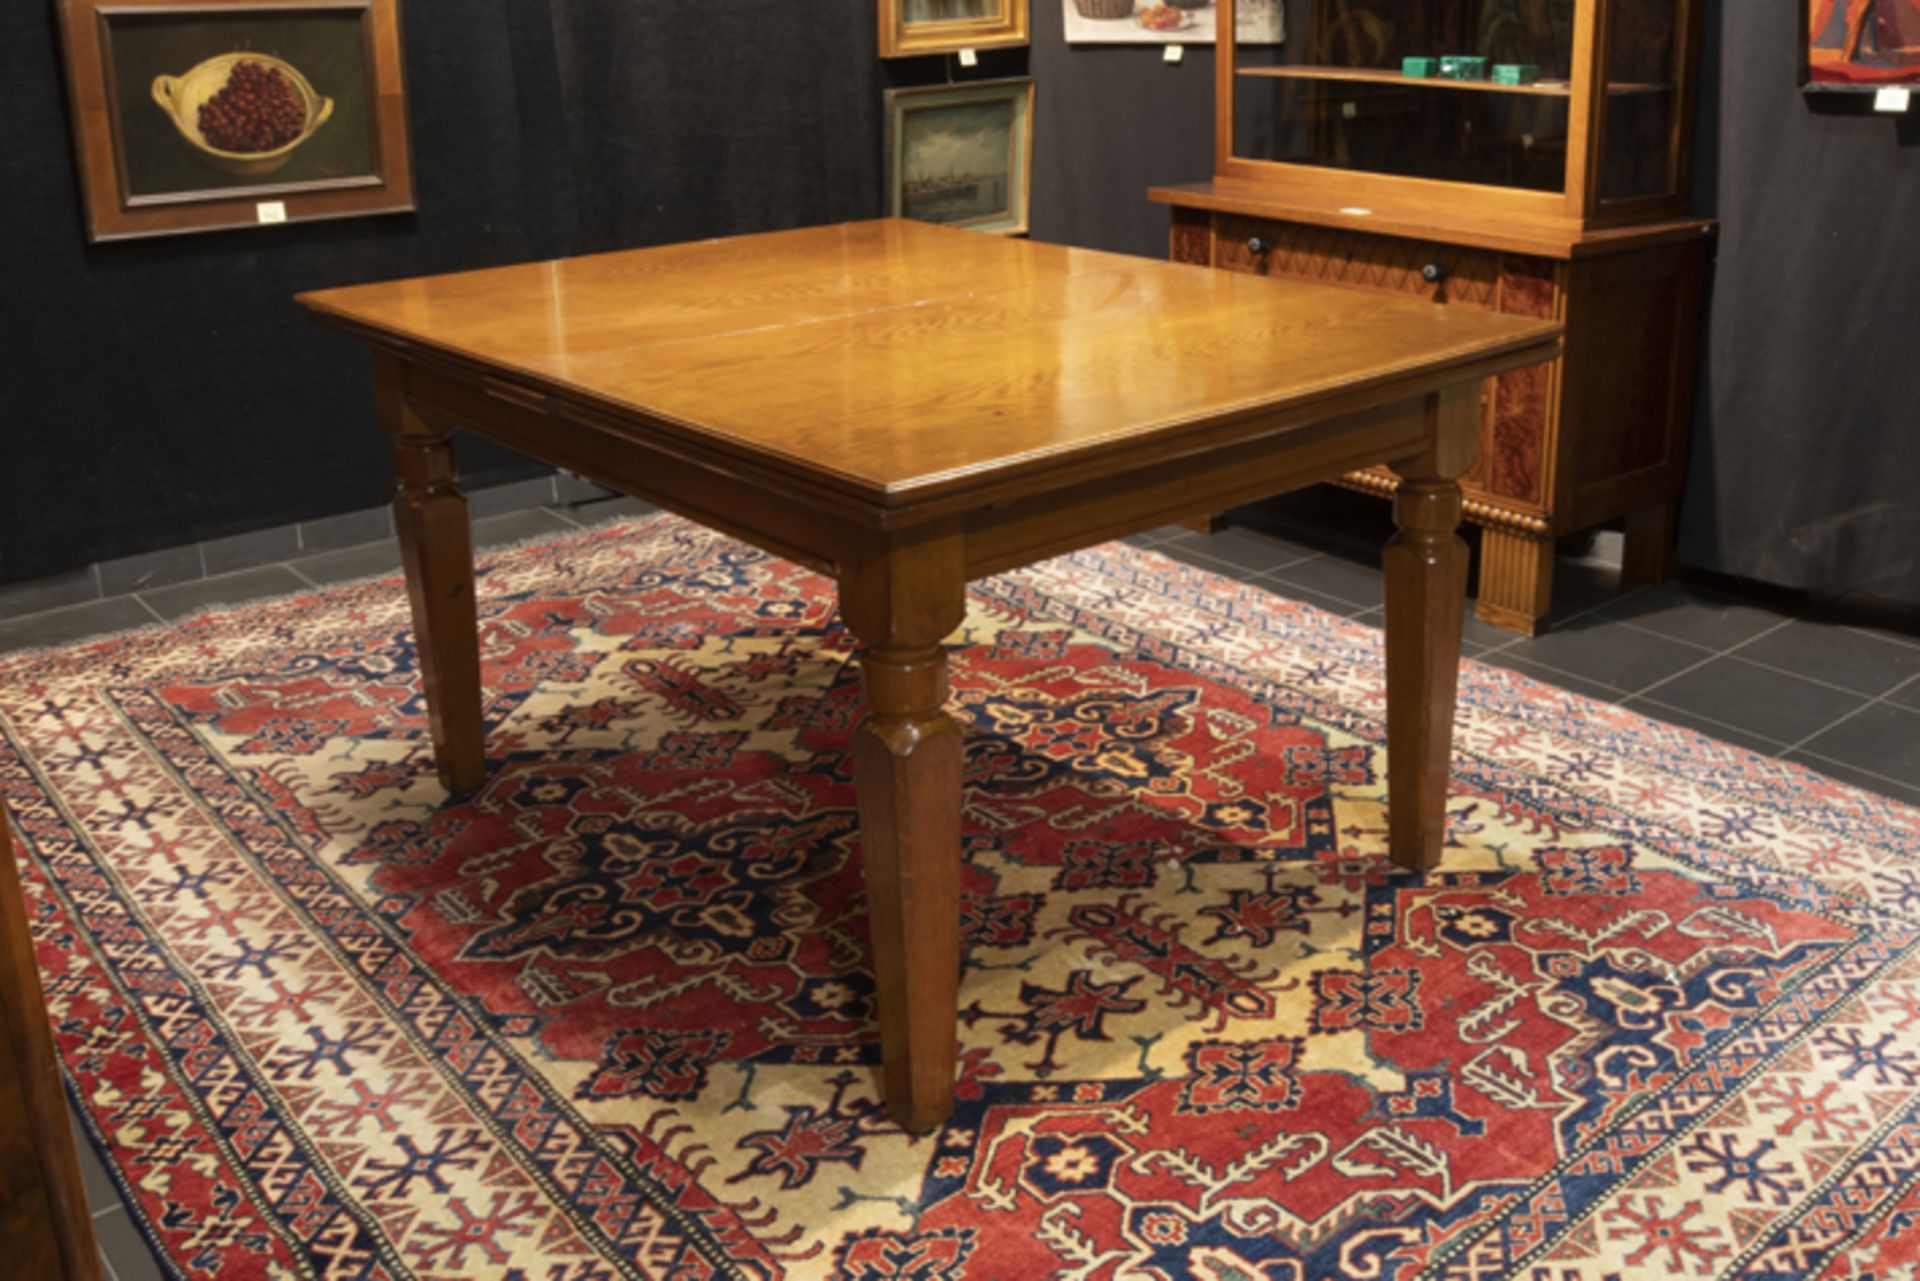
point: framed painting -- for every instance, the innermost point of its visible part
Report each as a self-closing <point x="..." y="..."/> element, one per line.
<point x="1168" y="21"/>
<point x="1861" y="44"/>
<point x="235" y="113"/>
<point x="962" y="155"/>
<point x="910" y="27"/>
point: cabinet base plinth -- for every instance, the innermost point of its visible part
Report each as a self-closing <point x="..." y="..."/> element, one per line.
<point x="1516" y="580"/>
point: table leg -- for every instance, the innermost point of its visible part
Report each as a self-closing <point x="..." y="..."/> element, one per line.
<point x="901" y="601"/>
<point x="436" y="545"/>
<point x="1425" y="564"/>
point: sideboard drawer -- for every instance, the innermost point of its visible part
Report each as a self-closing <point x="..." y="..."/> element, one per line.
<point x="1357" y="260"/>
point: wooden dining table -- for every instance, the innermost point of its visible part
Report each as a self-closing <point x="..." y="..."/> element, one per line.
<point x="909" y="407"/>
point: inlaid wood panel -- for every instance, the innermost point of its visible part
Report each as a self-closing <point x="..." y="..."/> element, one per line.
<point x="1514" y="460"/>
<point x="1191" y="240"/>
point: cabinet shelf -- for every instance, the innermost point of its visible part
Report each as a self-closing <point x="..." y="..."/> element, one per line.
<point x="1387" y="76"/>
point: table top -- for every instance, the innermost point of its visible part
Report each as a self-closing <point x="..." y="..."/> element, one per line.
<point x="895" y="360"/>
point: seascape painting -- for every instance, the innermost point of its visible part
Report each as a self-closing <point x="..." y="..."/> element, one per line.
<point x="959" y="163"/>
<point x="959" y="155"/>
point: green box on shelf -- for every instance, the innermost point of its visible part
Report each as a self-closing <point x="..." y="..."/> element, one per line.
<point x="1515" y="73"/>
<point x="1420" y="68"/>
<point x="1460" y="66"/>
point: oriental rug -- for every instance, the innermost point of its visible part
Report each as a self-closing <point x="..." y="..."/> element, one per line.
<point x="1657" y="1014"/>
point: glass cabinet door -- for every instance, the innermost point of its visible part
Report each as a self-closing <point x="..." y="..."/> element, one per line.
<point x="1351" y="91"/>
<point x="1645" y="41"/>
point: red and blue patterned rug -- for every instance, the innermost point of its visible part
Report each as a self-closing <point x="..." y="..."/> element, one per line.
<point x="1657" y="1014"/>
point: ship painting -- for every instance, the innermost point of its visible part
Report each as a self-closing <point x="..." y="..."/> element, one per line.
<point x="958" y="163"/>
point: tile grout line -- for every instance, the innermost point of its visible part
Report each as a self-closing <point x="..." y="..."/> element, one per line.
<point x="1836" y="724"/>
<point x="1911" y="681"/>
<point x="1732" y="651"/>
<point x="1588" y="612"/>
<point x="1815" y="680"/>
<point x="1882" y="635"/>
<point x="1711" y="657"/>
<point x="1774" y="750"/>
<point x="1824" y="759"/>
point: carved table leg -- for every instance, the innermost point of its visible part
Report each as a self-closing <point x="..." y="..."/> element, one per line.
<point x="436" y="545"/>
<point x="902" y="601"/>
<point x="1425" y="566"/>
<point x="1516" y="579"/>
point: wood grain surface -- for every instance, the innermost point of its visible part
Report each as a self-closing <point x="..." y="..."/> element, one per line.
<point x="895" y="360"/>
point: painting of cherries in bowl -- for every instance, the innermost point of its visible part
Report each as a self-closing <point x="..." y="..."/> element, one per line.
<point x="243" y="113"/>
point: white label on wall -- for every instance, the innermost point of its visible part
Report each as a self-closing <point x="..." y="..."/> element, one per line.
<point x="271" y="211"/>
<point x="969" y="58"/>
<point x="1173" y="53"/>
<point x="1892" y="98"/>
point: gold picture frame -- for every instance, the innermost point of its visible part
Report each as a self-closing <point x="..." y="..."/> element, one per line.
<point x="909" y="28"/>
<point x="962" y="155"/>
<point x="168" y="141"/>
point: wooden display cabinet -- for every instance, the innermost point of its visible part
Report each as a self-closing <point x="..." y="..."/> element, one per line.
<point x="1562" y="197"/>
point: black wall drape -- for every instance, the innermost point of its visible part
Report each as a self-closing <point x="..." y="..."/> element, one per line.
<point x="1806" y="462"/>
<point x="162" y="391"/>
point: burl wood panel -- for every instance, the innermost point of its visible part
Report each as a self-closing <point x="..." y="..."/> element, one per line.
<point x="1516" y="436"/>
<point x="1191" y="239"/>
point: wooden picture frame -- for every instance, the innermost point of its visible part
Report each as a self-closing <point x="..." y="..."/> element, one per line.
<point x="1860" y="46"/>
<point x="909" y="28"/>
<point x="315" y="126"/>
<point x="962" y="155"/>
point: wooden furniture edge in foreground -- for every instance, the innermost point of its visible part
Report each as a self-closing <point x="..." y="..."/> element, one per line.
<point x="44" y="1219"/>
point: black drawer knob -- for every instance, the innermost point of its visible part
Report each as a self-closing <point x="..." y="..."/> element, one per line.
<point x="1257" y="245"/>
<point x="1433" y="273"/>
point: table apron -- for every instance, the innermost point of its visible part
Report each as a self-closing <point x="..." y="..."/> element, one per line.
<point x="757" y="508"/>
<point x="1008" y="535"/>
<point x="781" y="514"/>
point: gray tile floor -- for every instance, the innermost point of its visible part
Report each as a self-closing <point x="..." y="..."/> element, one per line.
<point x="1786" y="677"/>
<point x="1800" y="683"/>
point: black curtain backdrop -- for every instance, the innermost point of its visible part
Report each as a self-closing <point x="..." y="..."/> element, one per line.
<point x="162" y="391"/>
<point x="1806" y="468"/>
